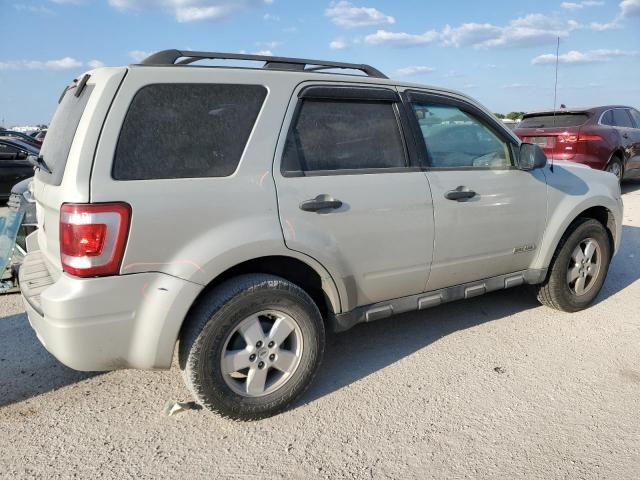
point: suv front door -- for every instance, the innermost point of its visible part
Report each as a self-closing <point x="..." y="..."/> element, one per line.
<point x="489" y="215"/>
<point x="349" y="195"/>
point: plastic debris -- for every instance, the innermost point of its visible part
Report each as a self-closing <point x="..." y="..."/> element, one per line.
<point x="174" y="408"/>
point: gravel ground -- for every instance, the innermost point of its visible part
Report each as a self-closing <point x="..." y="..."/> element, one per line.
<point x="494" y="387"/>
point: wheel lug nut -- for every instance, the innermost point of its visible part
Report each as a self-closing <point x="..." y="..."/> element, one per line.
<point x="261" y="365"/>
<point x="259" y="344"/>
<point x="252" y="357"/>
<point x="272" y="357"/>
<point x="271" y="344"/>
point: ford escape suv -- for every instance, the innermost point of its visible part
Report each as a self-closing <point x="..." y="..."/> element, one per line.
<point x="239" y="212"/>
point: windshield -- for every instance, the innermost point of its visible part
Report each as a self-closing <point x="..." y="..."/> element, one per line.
<point x="548" y="120"/>
<point x="61" y="132"/>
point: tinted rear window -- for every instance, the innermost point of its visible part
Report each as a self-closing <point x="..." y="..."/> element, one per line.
<point x="559" y="120"/>
<point x="60" y="134"/>
<point x="186" y="130"/>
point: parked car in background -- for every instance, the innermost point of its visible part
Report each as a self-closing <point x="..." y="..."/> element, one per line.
<point x="23" y="137"/>
<point x="604" y="138"/>
<point x="14" y="165"/>
<point x="40" y="135"/>
<point x="511" y="124"/>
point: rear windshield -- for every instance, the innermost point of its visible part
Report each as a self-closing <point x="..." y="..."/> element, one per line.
<point x="558" y="120"/>
<point x="62" y="129"/>
<point x="186" y="130"/>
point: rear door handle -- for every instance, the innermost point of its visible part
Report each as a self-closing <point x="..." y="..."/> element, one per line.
<point x="625" y="135"/>
<point x="460" y="194"/>
<point x="321" y="202"/>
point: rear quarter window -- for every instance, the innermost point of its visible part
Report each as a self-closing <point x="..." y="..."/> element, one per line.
<point x="559" y="120"/>
<point x="186" y="130"/>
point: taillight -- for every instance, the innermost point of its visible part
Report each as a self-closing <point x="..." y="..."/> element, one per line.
<point x="571" y="138"/>
<point x="93" y="237"/>
<point x="567" y="138"/>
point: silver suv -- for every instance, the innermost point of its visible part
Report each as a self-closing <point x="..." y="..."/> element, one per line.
<point x="239" y="212"/>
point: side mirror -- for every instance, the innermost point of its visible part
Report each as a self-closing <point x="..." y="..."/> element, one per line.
<point x="531" y="157"/>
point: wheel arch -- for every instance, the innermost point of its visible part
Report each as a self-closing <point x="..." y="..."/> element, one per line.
<point x="317" y="284"/>
<point x="600" y="213"/>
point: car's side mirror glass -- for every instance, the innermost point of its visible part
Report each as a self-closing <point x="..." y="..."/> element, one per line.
<point x="531" y="157"/>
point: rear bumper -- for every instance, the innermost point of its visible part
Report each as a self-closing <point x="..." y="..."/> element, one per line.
<point x="94" y="324"/>
<point x="589" y="160"/>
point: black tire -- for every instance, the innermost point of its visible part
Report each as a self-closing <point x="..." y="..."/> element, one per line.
<point x="216" y="316"/>
<point x="556" y="292"/>
<point x="616" y="165"/>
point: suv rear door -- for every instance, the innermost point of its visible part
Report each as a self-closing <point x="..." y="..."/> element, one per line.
<point x="489" y="215"/>
<point x="350" y="194"/>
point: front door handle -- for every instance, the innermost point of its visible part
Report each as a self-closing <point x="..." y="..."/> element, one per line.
<point x="625" y="135"/>
<point x="321" y="202"/>
<point x="460" y="194"/>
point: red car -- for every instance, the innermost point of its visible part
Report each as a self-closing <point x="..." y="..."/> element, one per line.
<point x="604" y="138"/>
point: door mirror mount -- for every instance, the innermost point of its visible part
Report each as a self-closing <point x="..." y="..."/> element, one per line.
<point x="531" y="157"/>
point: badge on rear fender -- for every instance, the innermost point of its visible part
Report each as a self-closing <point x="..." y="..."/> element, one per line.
<point x="524" y="248"/>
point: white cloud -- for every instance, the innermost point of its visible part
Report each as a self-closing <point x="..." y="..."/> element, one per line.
<point x="580" y="5"/>
<point x="603" y="27"/>
<point x="268" y="53"/>
<point x="269" y="45"/>
<point x="516" y="86"/>
<point x="345" y="14"/>
<point x="470" y="34"/>
<point x="575" y="57"/>
<point x="138" y="55"/>
<point x="630" y="8"/>
<point x="271" y="17"/>
<point x="401" y="39"/>
<point x="66" y="63"/>
<point x="338" y="44"/>
<point x="95" y="64"/>
<point x="192" y="10"/>
<point x="530" y="30"/>
<point x="414" y="70"/>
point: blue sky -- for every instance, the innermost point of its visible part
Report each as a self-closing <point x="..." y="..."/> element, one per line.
<point x="500" y="52"/>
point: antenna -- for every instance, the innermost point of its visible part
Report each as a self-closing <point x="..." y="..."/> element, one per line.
<point x="555" y="93"/>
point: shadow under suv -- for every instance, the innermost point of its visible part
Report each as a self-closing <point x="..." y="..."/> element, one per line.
<point x="604" y="138"/>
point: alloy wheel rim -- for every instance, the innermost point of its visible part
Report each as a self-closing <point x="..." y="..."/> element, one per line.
<point x="615" y="169"/>
<point x="584" y="266"/>
<point x="261" y="353"/>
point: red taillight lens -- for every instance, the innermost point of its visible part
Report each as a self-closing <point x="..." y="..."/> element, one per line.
<point x="567" y="138"/>
<point x="571" y="138"/>
<point x="589" y="138"/>
<point x="93" y="238"/>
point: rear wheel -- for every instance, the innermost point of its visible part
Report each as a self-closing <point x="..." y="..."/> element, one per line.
<point x="579" y="267"/>
<point x="252" y="347"/>
<point x="615" y="166"/>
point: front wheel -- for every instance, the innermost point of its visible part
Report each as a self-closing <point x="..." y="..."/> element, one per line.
<point x="252" y="347"/>
<point x="579" y="267"/>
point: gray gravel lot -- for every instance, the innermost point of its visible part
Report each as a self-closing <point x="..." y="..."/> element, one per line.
<point x="494" y="387"/>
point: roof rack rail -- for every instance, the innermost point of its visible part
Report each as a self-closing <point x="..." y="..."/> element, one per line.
<point x="178" y="57"/>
